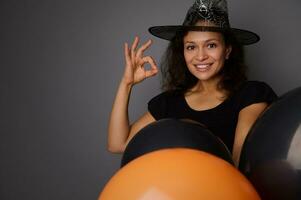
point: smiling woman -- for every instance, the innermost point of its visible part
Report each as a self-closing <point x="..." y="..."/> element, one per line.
<point x="205" y="54"/>
<point x="203" y="79"/>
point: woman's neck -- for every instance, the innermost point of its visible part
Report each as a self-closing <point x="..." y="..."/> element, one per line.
<point x="206" y="87"/>
<point x="209" y="89"/>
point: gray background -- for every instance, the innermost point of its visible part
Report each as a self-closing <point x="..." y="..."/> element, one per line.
<point x="61" y="62"/>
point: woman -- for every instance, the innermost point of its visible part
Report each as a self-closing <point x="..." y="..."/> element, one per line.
<point x="203" y="78"/>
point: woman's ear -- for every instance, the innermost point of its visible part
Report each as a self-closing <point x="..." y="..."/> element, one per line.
<point x="228" y="52"/>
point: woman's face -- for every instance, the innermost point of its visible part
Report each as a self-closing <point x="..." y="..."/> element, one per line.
<point x="205" y="53"/>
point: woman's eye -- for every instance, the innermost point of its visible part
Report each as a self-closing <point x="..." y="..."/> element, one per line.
<point x="211" y="45"/>
<point x="190" y="47"/>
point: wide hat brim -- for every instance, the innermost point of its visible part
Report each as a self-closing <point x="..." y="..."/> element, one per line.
<point x="244" y="37"/>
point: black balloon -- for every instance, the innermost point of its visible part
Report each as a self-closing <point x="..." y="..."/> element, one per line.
<point x="271" y="155"/>
<point x="173" y="133"/>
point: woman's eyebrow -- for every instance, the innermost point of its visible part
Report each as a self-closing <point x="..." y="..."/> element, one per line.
<point x="209" y="40"/>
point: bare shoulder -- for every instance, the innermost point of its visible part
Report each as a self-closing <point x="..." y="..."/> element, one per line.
<point x="248" y="115"/>
<point x="254" y="109"/>
<point x="143" y="121"/>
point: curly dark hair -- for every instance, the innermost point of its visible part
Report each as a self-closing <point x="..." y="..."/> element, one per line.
<point x="177" y="77"/>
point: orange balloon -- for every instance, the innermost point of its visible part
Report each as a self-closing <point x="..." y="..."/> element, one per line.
<point x="178" y="174"/>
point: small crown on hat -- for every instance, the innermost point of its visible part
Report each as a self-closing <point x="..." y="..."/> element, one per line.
<point x="208" y="5"/>
<point x="214" y="11"/>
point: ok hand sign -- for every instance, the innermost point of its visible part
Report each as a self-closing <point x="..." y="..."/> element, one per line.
<point x="135" y="61"/>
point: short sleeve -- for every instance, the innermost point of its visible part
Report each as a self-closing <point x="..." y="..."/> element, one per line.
<point x="255" y="92"/>
<point x="157" y="106"/>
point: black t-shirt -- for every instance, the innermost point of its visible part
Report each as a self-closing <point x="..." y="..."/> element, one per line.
<point x="220" y="120"/>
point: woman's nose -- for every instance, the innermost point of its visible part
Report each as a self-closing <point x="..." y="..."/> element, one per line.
<point x="201" y="54"/>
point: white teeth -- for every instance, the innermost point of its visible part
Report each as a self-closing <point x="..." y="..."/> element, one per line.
<point x="202" y="66"/>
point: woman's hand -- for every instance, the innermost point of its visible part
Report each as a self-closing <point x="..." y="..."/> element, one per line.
<point x="135" y="61"/>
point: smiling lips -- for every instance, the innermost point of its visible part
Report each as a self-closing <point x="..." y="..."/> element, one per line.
<point x="203" y="67"/>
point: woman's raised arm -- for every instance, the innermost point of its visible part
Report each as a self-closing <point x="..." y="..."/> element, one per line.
<point x="119" y="129"/>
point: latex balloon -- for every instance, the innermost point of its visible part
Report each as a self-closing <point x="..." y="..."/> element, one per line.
<point x="172" y="133"/>
<point x="271" y="155"/>
<point x="178" y="174"/>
